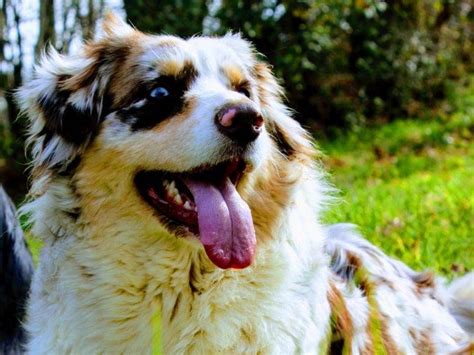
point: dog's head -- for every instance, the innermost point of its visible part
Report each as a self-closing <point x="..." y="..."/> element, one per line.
<point x="187" y="136"/>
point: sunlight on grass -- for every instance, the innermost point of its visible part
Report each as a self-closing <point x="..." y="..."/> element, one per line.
<point x="408" y="185"/>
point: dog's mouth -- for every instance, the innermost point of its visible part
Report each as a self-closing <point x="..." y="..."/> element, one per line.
<point x="205" y="201"/>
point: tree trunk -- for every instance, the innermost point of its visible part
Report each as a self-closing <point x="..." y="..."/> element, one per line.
<point x="47" y="33"/>
<point x="12" y="173"/>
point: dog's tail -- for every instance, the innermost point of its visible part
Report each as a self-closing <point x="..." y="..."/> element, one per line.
<point x="16" y="270"/>
<point x="461" y="302"/>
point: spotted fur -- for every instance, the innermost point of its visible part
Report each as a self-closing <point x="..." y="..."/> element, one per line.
<point x="108" y="263"/>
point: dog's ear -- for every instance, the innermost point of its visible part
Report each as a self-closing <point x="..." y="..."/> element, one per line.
<point x="68" y="97"/>
<point x="292" y="140"/>
<point x="64" y="102"/>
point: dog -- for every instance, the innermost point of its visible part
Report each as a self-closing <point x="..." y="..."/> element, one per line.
<point x="168" y="176"/>
<point x="16" y="271"/>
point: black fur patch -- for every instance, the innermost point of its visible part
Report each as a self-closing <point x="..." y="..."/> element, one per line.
<point x="282" y="142"/>
<point x="73" y="124"/>
<point x="155" y="110"/>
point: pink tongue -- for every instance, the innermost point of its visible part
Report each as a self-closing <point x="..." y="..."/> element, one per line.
<point x="225" y="224"/>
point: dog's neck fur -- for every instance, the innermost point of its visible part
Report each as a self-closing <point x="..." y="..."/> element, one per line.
<point x="115" y="278"/>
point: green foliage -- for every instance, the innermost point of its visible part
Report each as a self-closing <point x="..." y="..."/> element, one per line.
<point x="184" y="17"/>
<point x="342" y="61"/>
<point x="408" y="186"/>
<point x="5" y="140"/>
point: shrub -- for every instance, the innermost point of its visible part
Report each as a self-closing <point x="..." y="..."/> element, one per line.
<point x="343" y="62"/>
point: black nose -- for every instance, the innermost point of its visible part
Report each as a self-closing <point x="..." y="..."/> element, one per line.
<point x="241" y="123"/>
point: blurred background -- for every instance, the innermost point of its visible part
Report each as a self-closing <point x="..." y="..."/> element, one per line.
<point x="386" y="87"/>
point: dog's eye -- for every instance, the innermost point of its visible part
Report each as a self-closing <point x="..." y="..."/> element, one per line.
<point x="244" y="91"/>
<point x="159" y="93"/>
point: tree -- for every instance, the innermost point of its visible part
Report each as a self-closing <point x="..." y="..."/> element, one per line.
<point x="184" y="17"/>
<point x="47" y="32"/>
<point x="10" y="78"/>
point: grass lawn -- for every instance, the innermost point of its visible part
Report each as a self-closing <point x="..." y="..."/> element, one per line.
<point x="409" y="185"/>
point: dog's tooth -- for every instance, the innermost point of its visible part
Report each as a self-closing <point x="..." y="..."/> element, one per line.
<point x="175" y="190"/>
<point x="188" y="206"/>
<point x="178" y="199"/>
<point x="172" y="185"/>
<point x="170" y="188"/>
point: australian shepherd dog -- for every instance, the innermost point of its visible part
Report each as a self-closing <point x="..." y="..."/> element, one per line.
<point x="168" y="176"/>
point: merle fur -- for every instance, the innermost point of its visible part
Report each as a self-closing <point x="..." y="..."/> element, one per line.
<point x="73" y="124"/>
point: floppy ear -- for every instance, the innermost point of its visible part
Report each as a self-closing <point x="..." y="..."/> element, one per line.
<point x="68" y="97"/>
<point x="292" y="140"/>
<point x="64" y="102"/>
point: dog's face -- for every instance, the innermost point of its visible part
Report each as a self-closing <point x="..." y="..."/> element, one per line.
<point x="185" y="133"/>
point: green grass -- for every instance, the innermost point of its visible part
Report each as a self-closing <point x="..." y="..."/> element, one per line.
<point x="409" y="185"/>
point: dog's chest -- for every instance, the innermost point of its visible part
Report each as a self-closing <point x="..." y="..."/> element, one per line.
<point x="234" y="323"/>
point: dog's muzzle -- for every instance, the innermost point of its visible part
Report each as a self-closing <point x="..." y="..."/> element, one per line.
<point x="241" y="123"/>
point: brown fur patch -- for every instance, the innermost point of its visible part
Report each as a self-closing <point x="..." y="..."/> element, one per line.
<point x="343" y="328"/>
<point x="377" y="327"/>
<point x="354" y="260"/>
<point x="235" y="75"/>
<point x="368" y="348"/>
<point x="248" y="335"/>
<point x="422" y="341"/>
<point x="292" y="144"/>
<point x="266" y="84"/>
<point x="85" y="272"/>
<point x="272" y="188"/>
<point x="115" y="58"/>
<point x="128" y="78"/>
<point x="388" y="341"/>
<point x="270" y="193"/>
<point x="175" y="68"/>
<point x="424" y="279"/>
<point x="101" y="53"/>
<point x="467" y="350"/>
<point x="290" y="147"/>
<point x="424" y="283"/>
<point x="175" y="307"/>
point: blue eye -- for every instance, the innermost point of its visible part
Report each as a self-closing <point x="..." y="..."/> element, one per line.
<point x="159" y="92"/>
